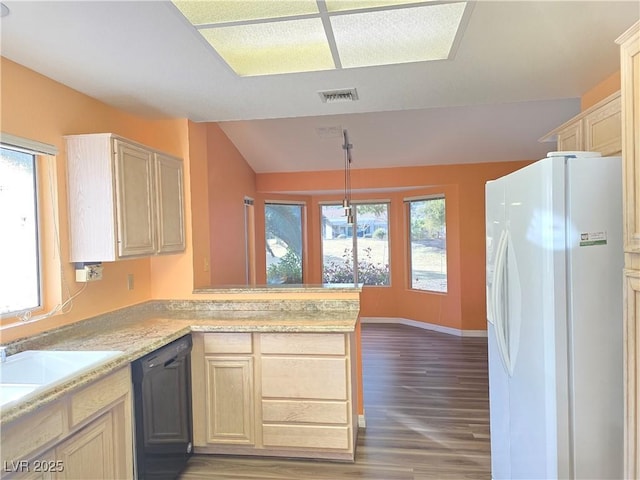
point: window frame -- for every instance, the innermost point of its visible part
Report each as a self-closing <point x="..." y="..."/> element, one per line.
<point x="409" y="276"/>
<point x="38" y="230"/>
<point x="40" y="151"/>
<point x="354" y="237"/>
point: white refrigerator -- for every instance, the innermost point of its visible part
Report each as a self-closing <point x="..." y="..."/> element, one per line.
<point x="554" y="305"/>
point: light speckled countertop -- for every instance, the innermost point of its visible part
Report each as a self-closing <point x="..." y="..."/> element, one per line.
<point x="138" y="330"/>
<point x="284" y="287"/>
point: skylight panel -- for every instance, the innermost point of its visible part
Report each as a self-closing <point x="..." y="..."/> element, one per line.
<point x="266" y="37"/>
<point x="403" y="35"/>
<point x="343" y="5"/>
<point x="224" y="11"/>
<point x="272" y="48"/>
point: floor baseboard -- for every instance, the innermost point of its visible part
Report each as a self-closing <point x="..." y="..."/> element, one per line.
<point x="361" y="421"/>
<point x="424" y="325"/>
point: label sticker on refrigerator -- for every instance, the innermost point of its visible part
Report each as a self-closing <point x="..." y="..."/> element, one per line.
<point x="593" y="238"/>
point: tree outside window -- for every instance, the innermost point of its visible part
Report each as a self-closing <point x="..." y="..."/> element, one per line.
<point x="428" y="244"/>
<point x="368" y="237"/>
<point x="283" y="233"/>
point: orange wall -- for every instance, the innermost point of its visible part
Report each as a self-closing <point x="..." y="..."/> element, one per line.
<point x="230" y="181"/>
<point x="463" y="306"/>
<point x="38" y="108"/>
<point x="199" y="186"/>
<point x="41" y="109"/>
<point x="602" y="90"/>
<point x="217" y="178"/>
<point x="173" y="275"/>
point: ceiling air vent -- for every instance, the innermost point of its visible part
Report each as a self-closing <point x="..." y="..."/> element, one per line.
<point x="338" y="96"/>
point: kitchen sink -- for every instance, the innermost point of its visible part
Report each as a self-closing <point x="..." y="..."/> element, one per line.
<point x="33" y="371"/>
<point x="9" y="392"/>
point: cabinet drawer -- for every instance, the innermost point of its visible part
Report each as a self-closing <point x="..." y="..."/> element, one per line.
<point x="300" y="377"/>
<point x="304" y="411"/>
<point x="303" y="343"/>
<point x="306" y="436"/>
<point x="98" y="395"/>
<point x="228" y="343"/>
<point x="23" y="438"/>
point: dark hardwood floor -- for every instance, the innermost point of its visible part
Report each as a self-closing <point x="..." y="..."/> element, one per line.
<point x="427" y="413"/>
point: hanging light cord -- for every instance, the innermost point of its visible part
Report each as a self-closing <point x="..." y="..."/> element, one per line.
<point x="67" y="305"/>
<point x="347" y="173"/>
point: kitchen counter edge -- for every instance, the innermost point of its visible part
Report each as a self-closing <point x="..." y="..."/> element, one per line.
<point x="144" y="328"/>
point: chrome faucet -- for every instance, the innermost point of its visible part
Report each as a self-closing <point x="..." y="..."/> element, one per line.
<point x="3" y="354"/>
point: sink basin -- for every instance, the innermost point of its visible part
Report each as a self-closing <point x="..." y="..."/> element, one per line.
<point x="32" y="371"/>
<point x="9" y="393"/>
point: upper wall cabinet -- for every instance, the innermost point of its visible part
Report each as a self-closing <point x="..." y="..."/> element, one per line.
<point x="169" y="201"/>
<point x="597" y="129"/>
<point x="630" y="75"/>
<point x="125" y="199"/>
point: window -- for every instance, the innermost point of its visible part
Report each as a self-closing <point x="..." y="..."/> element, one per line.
<point x="428" y="244"/>
<point x="283" y="233"/>
<point x="370" y="244"/>
<point x="19" y="271"/>
<point x="249" y="242"/>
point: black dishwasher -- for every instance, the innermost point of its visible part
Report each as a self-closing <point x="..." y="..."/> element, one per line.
<point x="162" y="407"/>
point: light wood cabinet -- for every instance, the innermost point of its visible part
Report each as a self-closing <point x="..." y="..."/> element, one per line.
<point x="277" y="394"/>
<point x="630" y="95"/>
<point x="229" y="400"/>
<point x="223" y="389"/>
<point x="85" y="434"/>
<point x="125" y="199"/>
<point x="170" y="203"/>
<point x="88" y="454"/>
<point x="570" y="137"/>
<point x="307" y="398"/>
<point x="133" y="181"/>
<point x="597" y="129"/>
<point x="603" y="128"/>
<point x="26" y="438"/>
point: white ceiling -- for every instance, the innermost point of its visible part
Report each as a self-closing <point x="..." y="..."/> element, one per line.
<point x="518" y="72"/>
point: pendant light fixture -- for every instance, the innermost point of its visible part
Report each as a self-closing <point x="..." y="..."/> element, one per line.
<point x="346" y="202"/>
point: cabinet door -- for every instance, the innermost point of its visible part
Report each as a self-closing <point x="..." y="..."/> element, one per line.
<point x="630" y="91"/>
<point x="170" y="204"/>
<point x="134" y="199"/>
<point x="630" y="72"/>
<point x="89" y="454"/>
<point x="603" y="129"/>
<point x="229" y="400"/>
<point x="570" y="138"/>
<point x="632" y="373"/>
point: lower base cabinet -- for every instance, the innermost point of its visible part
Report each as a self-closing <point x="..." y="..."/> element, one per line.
<point x="90" y="452"/>
<point x="229" y="400"/>
<point x="273" y="394"/>
<point x="84" y="435"/>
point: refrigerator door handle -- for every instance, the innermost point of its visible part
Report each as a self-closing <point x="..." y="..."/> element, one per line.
<point x="492" y="273"/>
<point x="514" y="305"/>
<point x="500" y="301"/>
